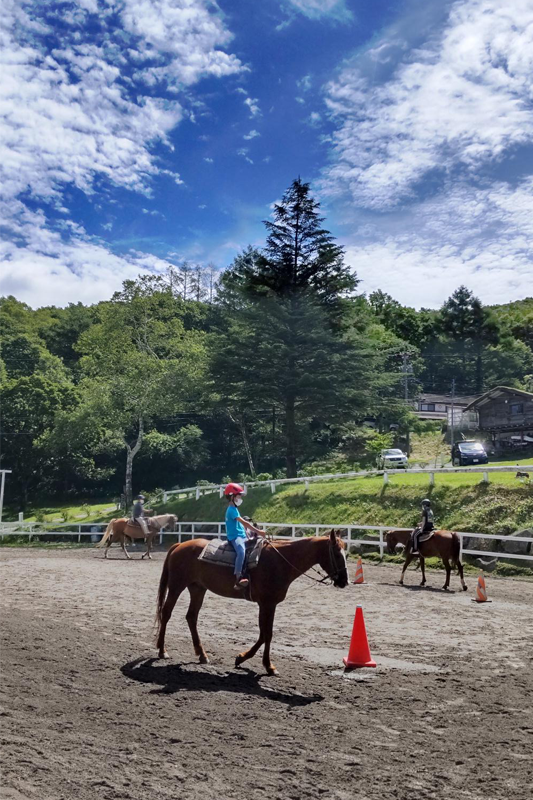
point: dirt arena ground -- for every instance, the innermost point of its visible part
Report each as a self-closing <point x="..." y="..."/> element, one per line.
<point x="87" y="712"/>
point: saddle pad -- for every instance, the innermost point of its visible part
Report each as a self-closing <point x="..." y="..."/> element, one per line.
<point x="222" y="553"/>
<point x="425" y="537"/>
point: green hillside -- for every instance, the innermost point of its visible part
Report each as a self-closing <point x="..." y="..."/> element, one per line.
<point x="459" y="501"/>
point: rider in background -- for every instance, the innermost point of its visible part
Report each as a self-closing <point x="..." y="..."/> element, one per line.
<point x="426" y="525"/>
<point x="139" y="513"/>
<point x="235" y="530"/>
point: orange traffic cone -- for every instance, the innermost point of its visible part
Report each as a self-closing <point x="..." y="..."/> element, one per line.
<point x="359" y="653"/>
<point x="481" y="591"/>
<point x="359" y="577"/>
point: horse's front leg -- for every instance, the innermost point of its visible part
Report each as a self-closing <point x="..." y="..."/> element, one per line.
<point x="253" y="650"/>
<point x="423" y="568"/>
<point x="149" y="539"/>
<point x="268" y="626"/>
<point x="408" y="559"/>
<point x="448" y="573"/>
<point x="197" y="594"/>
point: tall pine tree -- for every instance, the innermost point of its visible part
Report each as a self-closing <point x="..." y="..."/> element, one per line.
<point x="285" y="345"/>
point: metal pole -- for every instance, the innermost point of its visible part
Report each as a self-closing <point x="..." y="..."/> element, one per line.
<point x="2" y="484"/>
<point x="452" y="436"/>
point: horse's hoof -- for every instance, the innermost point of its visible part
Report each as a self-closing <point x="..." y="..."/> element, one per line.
<point x="445" y="588"/>
<point x="203" y="660"/>
<point x="164" y="654"/>
<point x="239" y="660"/>
<point x="465" y="588"/>
<point x="272" y="671"/>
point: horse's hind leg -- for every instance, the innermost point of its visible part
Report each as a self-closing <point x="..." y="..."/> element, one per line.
<point x="197" y="598"/>
<point x="461" y="576"/>
<point x="123" y="543"/>
<point x="166" y="612"/>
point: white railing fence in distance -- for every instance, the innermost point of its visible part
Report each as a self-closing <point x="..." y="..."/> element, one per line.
<point x="199" y="491"/>
<point x="351" y="533"/>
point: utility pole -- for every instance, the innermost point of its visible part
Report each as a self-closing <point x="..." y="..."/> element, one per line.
<point x="452" y="436"/>
<point x="405" y="359"/>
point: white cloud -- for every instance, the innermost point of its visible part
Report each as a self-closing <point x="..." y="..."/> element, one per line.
<point x="460" y="101"/>
<point x="251" y="135"/>
<point x="253" y="106"/>
<point x="314" y="119"/>
<point x="209" y="160"/>
<point x="317" y="9"/>
<point x="187" y="32"/>
<point x="77" y="114"/>
<point x="481" y="238"/>
<point x="243" y="152"/>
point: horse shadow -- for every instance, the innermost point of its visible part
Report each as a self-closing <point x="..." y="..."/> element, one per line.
<point x="415" y="587"/>
<point x="173" y="678"/>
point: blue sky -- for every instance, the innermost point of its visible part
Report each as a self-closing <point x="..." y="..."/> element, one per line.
<point x="137" y="133"/>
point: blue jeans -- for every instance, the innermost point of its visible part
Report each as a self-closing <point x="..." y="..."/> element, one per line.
<point x="239" y="545"/>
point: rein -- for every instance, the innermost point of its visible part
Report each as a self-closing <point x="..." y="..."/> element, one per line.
<point x="304" y="573"/>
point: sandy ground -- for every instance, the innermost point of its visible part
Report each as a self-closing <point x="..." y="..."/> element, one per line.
<point x="87" y="712"/>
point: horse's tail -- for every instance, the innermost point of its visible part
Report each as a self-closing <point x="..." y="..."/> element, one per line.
<point x="161" y="595"/>
<point x="456" y="548"/>
<point x="107" y="534"/>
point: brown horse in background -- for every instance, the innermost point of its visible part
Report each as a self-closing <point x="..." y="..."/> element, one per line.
<point x="446" y="545"/>
<point x="121" y="529"/>
<point x="280" y="564"/>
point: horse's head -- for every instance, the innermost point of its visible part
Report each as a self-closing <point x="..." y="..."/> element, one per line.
<point x="392" y="541"/>
<point x="172" y="521"/>
<point x="333" y="561"/>
<point x="393" y="538"/>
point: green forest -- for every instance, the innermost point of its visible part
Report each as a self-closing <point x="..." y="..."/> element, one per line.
<point x="268" y="368"/>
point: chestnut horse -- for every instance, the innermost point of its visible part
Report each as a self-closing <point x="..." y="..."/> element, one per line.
<point x="444" y="544"/>
<point x="280" y="564"/>
<point x="119" y="530"/>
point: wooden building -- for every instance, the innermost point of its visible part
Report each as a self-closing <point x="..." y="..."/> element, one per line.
<point x="439" y="407"/>
<point x="505" y="416"/>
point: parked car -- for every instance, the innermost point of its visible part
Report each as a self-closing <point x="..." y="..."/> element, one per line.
<point x="464" y="453"/>
<point x="392" y="459"/>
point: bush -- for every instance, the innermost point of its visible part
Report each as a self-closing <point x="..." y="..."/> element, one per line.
<point x="264" y="476"/>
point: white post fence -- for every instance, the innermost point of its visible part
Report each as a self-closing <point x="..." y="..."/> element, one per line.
<point x="351" y="533"/>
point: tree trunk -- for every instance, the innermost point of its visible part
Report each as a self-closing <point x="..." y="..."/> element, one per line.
<point x="290" y="438"/>
<point x="131" y="452"/>
<point x="239" y="421"/>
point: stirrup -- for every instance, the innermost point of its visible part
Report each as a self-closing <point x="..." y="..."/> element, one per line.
<point x="242" y="583"/>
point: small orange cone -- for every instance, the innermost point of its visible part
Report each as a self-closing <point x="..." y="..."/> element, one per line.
<point x="359" y="653"/>
<point x="481" y="591"/>
<point x="359" y="577"/>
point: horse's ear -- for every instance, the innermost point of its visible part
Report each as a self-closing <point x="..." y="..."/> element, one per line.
<point x="333" y="536"/>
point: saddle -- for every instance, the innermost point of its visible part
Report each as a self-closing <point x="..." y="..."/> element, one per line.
<point x="425" y="537"/>
<point x="223" y="553"/>
<point x="134" y="530"/>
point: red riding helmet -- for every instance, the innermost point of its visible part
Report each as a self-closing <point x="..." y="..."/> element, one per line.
<point x="233" y="488"/>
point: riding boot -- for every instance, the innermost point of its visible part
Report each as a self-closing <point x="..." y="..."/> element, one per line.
<point x="241" y="583"/>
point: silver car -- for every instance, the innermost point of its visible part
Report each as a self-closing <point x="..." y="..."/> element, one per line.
<point x="393" y="459"/>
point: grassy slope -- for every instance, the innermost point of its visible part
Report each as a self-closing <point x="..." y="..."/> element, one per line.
<point x="460" y="502"/>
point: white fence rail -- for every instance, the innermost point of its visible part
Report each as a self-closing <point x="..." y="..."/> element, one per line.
<point x="351" y="533"/>
<point x="198" y="491"/>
